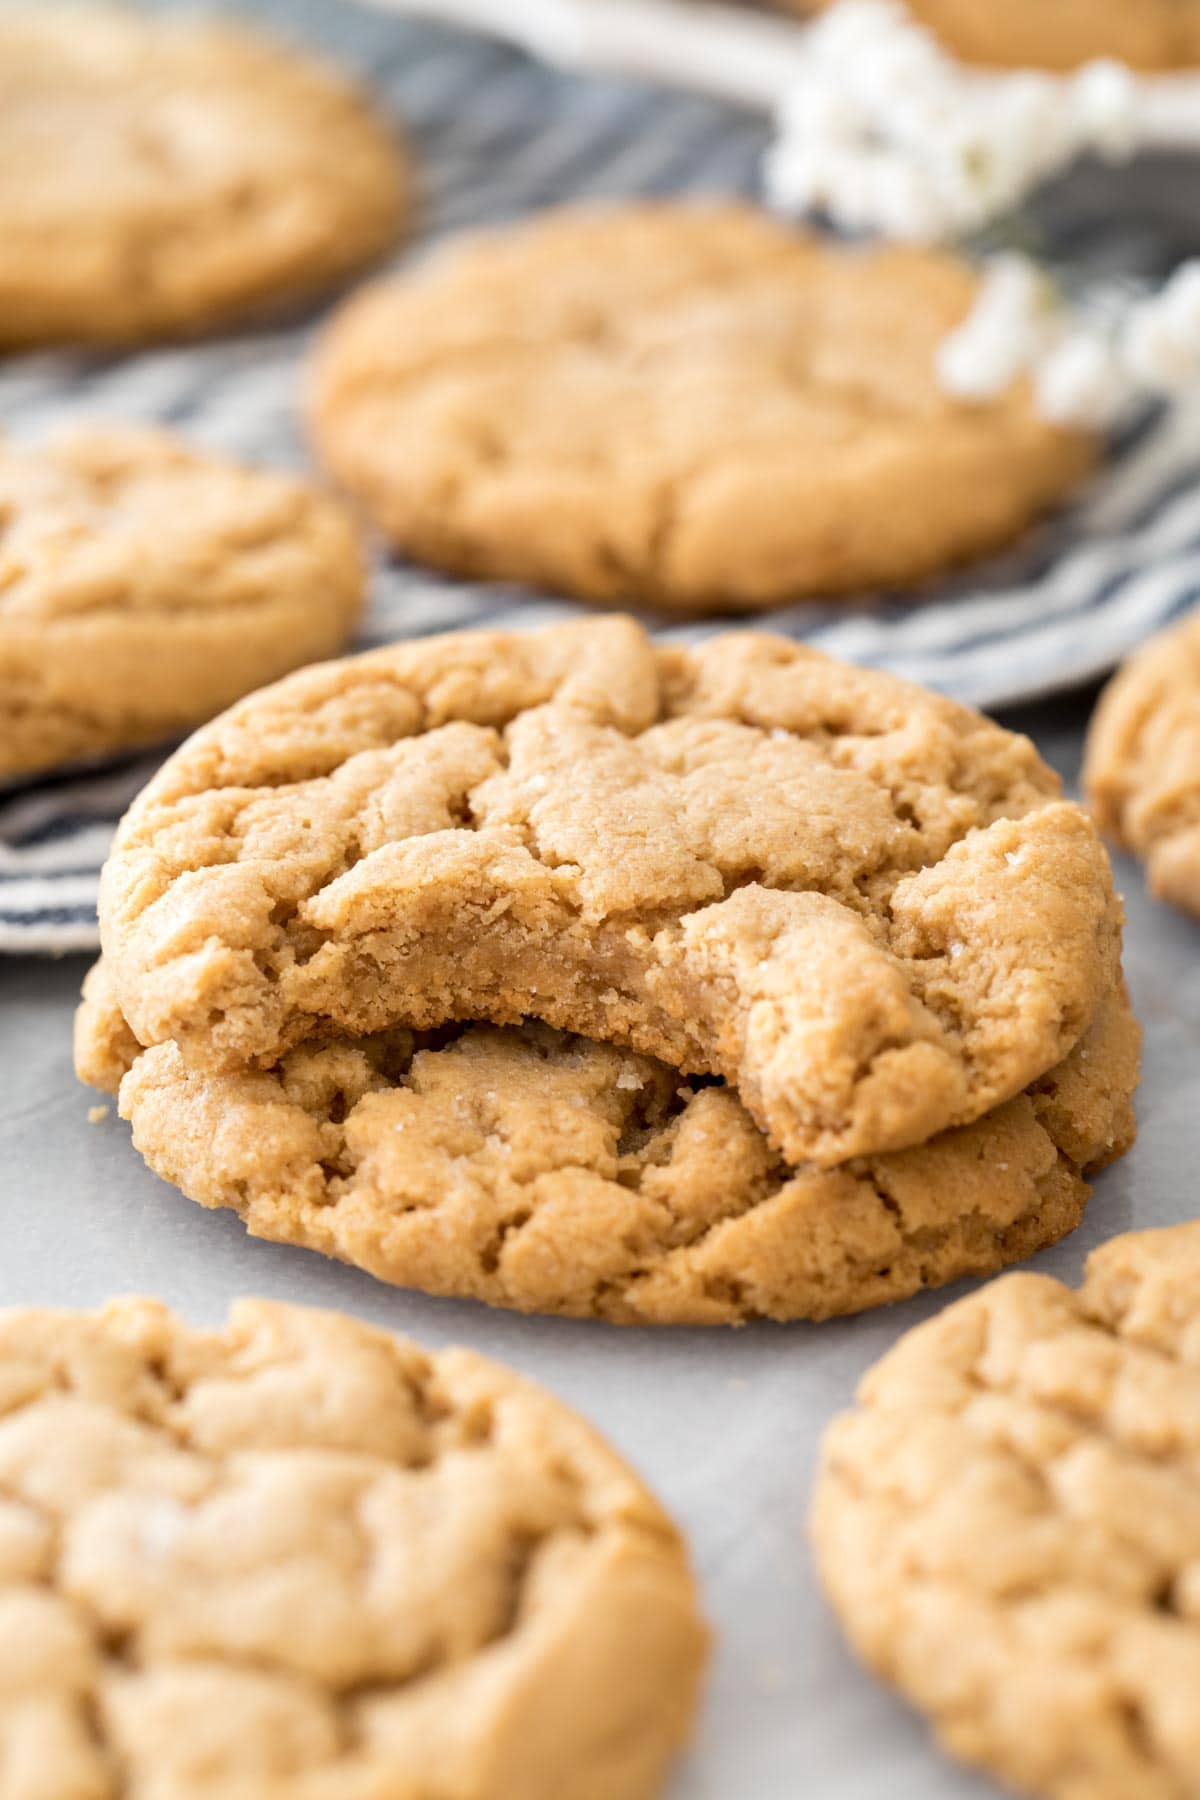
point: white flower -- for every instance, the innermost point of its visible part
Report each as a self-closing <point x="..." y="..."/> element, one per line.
<point x="882" y="130"/>
<point x="1004" y="334"/>
<point x="1085" y="372"/>
<point x="1081" y="381"/>
<point x="1162" y="336"/>
<point x="1105" y="97"/>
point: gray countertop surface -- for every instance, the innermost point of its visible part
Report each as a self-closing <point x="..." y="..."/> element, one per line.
<point x="725" y="1425"/>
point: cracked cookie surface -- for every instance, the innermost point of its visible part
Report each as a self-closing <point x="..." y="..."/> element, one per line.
<point x="1009" y="1524"/>
<point x="693" y="407"/>
<point x="158" y="176"/>
<point x="1059" y="34"/>
<point x="144" y="586"/>
<point x="297" y="1557"/>
<point x="1142" y="768"/>
<point x="859" y="903"/>
<point x="533" y="1170"/>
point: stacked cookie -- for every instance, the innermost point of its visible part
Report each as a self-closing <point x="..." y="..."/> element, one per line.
<point x="583" y="975"/>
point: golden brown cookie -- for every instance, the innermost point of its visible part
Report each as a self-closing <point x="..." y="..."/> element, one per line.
<point x="1059" y="34"/>
<point x="143" y="586"/>
<point x="1008" y="1526"/>
<point x="694" y="406"/>
<point x="861" y="904"/>
<point x="1142" y="769"/>
<point x="164" y="175"/>
<point x="552" y="1174"/>
<point x="298" y="1559"/>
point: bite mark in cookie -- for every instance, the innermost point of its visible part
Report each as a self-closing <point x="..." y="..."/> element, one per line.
<point x="549" y="1173"/>
<point x="860" y="904"/>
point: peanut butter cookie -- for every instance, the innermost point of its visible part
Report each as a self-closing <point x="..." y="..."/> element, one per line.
<point x="692" y="406"/>
<point x="1142" y="770"/>
<point x="548" y="1173"/>
<point x="162" y="175"/>
<point x="861" y="904"/>
<point x="298" y="1559"/>
<point x="1009" y="1525"/>
<point x="144" y="586"/>
<point x="1059" y="34"/>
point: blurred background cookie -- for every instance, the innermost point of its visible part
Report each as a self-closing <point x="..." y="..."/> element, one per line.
<point x="1058" y="34"/>
<point x="144" y="586"/>
<point x="1142" y="771"/>
<point x="166" y="175"/>
<point x="688" y="406"/>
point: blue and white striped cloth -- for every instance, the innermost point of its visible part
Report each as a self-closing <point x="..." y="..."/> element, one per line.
<point x="499" y="136"/>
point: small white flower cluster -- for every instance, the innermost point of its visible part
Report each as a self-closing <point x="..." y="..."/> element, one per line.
<point x="1086" y="371"/>
<point x="882" y="131"/>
